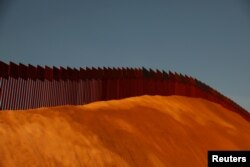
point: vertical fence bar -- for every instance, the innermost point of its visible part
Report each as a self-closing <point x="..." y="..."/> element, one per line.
<point x="8" y="85"/>
<point x="9" y="93"/>
<point x="17" y="94"/>
<point x="118" y="78"/>
<point x="5" y="87"/>
<point x="82" y="75"/>
<point x="56" y="83"/>
<point x="48" y="75"/>
<point x="80" y="84"/>
<point x="13" y="73"/>
<point x="116" y="84"/>
<point x="76" y="85"/>
<point x="62" y="85"/>
<point x="22" y="71"/>
<point x="32" y="76"/>
<point x="69" y="83"/>
<point x="100" y="72"/>
<point x="1" y="91"/>
<point x="86" y="94"/>
<point x="61" y="92"/>
<point x="41" y="87"/>
<point x="4" y="68"/>
<point x="91" y="85"/>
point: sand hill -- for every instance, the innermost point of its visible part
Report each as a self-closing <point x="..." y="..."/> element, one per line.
<point x="140" y="131"/>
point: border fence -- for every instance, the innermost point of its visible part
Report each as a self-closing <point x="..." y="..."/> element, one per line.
<point x="27" y="87"/>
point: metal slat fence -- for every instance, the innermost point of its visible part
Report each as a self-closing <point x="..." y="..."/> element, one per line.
<point x="27" y="87"/>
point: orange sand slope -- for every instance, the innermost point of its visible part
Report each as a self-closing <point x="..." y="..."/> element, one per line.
<point x="140" y="131"/>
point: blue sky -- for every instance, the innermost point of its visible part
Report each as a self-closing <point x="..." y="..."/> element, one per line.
<point x="209" y="40"/>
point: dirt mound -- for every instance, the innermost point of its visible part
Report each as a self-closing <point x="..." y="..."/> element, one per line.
<point x="140" y="131"/>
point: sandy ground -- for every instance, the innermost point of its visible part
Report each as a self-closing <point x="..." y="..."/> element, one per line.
<point x="140" y="131"/>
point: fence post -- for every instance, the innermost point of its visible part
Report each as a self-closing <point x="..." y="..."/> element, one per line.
<point x="4" y="84"/>
<point x="13" y="73"/>
<point x="32" y="79"/>
<point x="56" y="87"/>
<point x="41" y="87"/>
<point x="48" y="76"/>
<point x="23" y="83"/>
<point x="82" y="76"/>
<point x="99" y="81"/>
<point x="62" y="86"/>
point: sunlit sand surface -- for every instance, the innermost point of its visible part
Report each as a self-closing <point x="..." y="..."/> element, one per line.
<point x="141" y="131"/>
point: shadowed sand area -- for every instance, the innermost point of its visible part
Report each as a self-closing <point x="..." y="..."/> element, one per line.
<point x="139" y="131"/>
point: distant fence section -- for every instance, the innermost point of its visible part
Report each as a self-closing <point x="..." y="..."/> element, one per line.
<point x="27" y="87"/>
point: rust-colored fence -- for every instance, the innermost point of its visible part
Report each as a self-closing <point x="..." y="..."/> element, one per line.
<point x="26" y="87"/>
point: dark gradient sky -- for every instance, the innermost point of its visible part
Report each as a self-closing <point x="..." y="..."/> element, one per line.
<point x="209" y="40"/>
